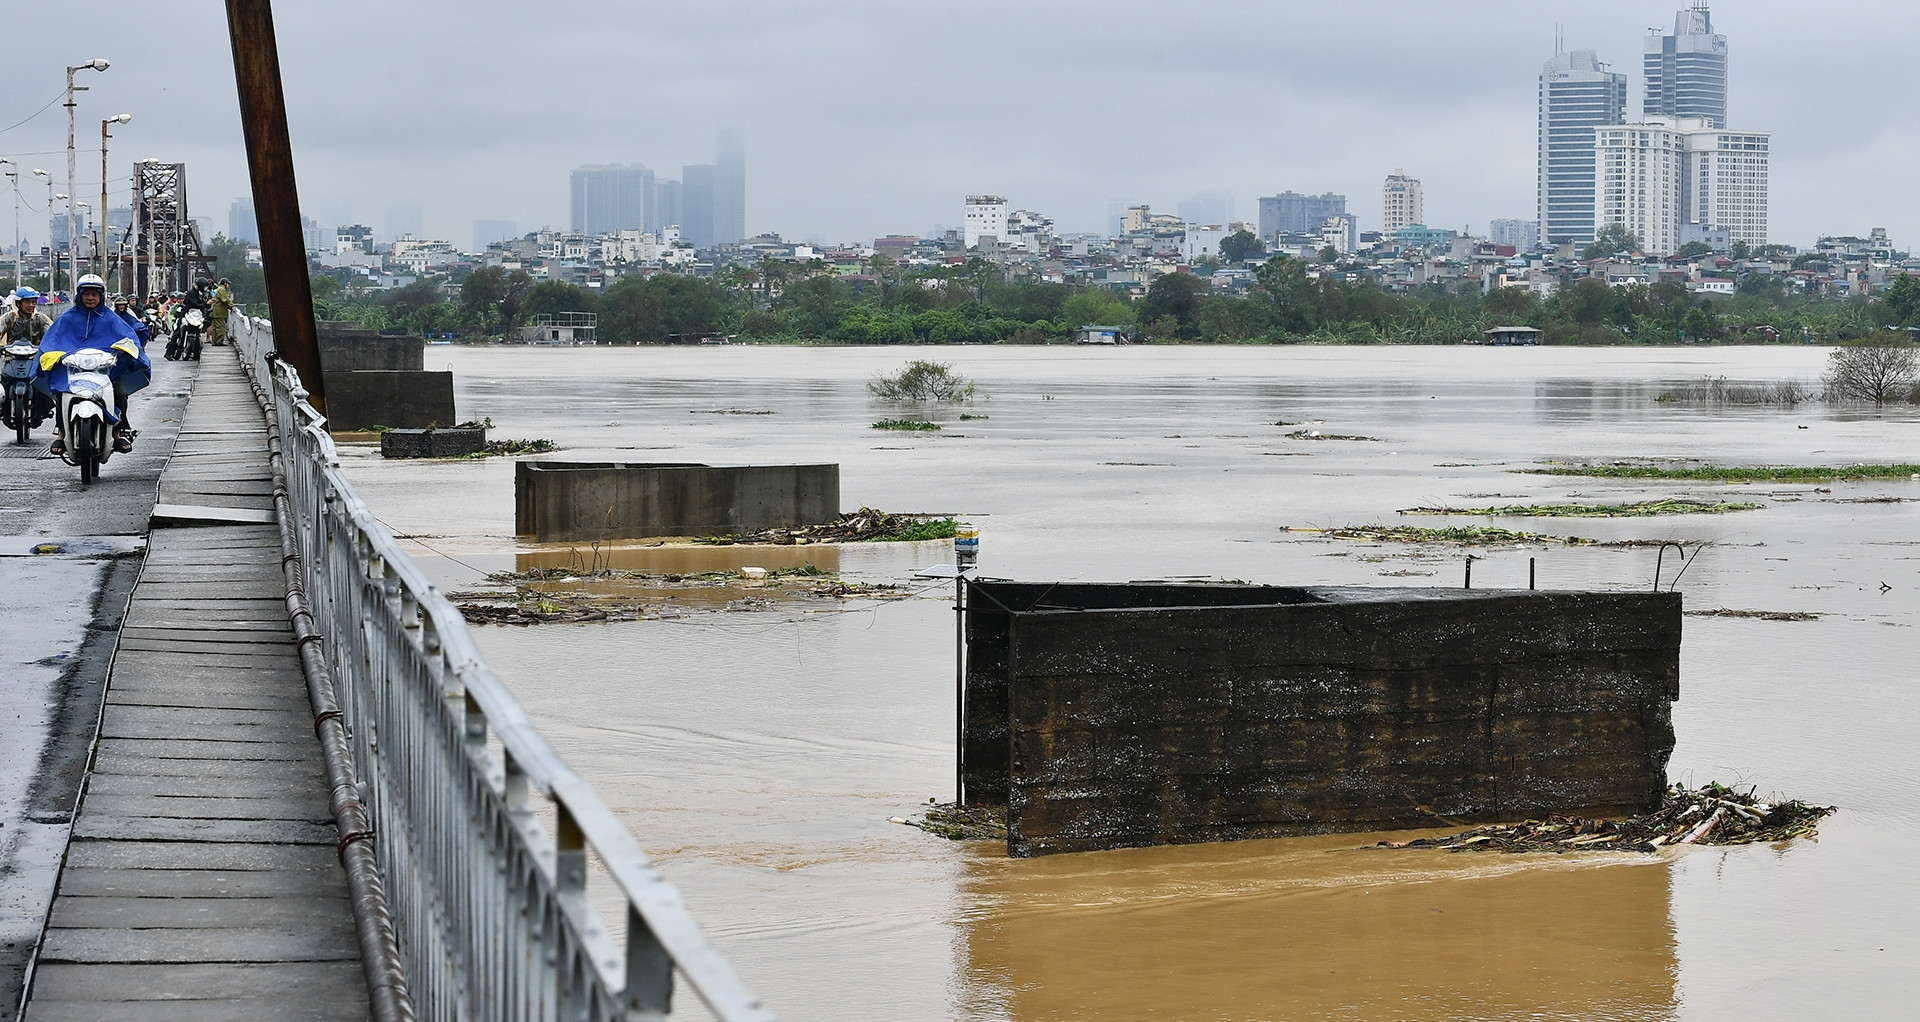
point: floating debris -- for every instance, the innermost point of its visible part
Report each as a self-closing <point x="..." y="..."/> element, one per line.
<point x="1314" y="434"/>
<point x="729" y="411"/>
<point x="908" y="425"/>
<point x="977" y="822"/>
<point x="1639" y="509"/>
<point x="537" y="445"/>
<point x="1764" y="615"/>
<point x="1458" y="536"/>
<point x="540" y="596"/>
<point x="863" y="526"/>
<point x="1721" y="473"/>
<point x="1713" y="814"/>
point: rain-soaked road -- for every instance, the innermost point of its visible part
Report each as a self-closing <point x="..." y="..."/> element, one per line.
<point x="68" y="557"/>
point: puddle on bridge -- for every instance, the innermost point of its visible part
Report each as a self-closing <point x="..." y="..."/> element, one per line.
<point x="759" y="755"/>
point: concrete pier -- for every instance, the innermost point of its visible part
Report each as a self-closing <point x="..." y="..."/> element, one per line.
<point x="583" y="502"/>
<point x="201" y="880"/>
<point x="1110" y="716"/>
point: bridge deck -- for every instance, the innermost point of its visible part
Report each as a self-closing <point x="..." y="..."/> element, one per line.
<point x="202" y="881"/>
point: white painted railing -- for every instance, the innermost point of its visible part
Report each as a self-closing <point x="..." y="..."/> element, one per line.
<point x="489" y="908"/>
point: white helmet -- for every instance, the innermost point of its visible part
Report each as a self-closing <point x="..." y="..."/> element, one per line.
<point x="91" y="280"/>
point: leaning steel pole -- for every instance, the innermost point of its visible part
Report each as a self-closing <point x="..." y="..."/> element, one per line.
<point x="276" y="202"/>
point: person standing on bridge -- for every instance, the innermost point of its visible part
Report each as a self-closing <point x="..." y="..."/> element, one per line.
<point x="92" y="323"/>
<point x="222" y="308"/>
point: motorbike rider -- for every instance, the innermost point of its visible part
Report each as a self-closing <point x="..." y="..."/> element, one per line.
<point x="122" y="307"/>
<point x="92" y="323"/>
<point x="24" y="323"/>
<point x="198" y="298"/>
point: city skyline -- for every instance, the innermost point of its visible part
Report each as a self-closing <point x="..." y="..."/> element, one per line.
<point x="1260" y="103"/>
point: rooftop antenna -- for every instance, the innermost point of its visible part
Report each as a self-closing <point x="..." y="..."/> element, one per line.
<point x="1559" y="40"/>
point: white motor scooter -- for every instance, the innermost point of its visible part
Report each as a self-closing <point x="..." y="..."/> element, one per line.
<point x="84" y="410"/>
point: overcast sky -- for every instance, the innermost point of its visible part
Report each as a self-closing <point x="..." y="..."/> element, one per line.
<point x="863" y="119"/>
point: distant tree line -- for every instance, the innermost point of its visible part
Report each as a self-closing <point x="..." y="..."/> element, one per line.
<point x="972" y="303"/>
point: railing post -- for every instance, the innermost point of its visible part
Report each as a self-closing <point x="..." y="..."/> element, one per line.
<point x="649" y="988"/>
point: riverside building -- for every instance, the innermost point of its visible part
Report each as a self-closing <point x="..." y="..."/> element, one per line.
<point x="1400" y="202"/>
<point x="1686" y="72"/>
<point x="1577" y="95"/>
<point x="1665" y="174"/>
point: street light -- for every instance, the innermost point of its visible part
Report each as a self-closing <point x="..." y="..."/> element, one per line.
<point x="53" y="259"/>
<point x="115" y="119"/>
<point x="73" y="241"/>
<point x="96" y="64"/>
<point x="37" y="172"/>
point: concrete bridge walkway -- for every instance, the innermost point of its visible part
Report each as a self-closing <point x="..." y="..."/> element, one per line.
<point x="201" y="881"/>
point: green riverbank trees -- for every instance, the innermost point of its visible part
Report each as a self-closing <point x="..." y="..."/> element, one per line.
<point x="971" y="303"/>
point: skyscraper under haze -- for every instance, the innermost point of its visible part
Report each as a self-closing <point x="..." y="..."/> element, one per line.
<point x="1686" y="72"/>
<point x="1577" y="95"/>
<point x="611" y="197"/>
<point x="730" y="190"/>
<point x="696" y="204"/>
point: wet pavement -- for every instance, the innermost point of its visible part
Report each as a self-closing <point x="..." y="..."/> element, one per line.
<point x="69" y="556"/>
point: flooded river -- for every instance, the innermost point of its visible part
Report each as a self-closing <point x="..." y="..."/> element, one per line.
<point x="758" y="755"/>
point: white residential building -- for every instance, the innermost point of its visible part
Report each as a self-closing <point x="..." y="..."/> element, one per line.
<point x="1400" y="202"/>
<point x="1202" y="242"/>
<point x="986" y="218"/>
<point x="1728" y="181"/>
<point x="1662" y="175"/>
<point x="1639" y="171"/>
<point x="1521" y="234"/>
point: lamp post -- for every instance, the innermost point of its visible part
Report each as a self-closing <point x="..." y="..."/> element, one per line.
<point x="73" y="241"/>
<point x="14" y="177"/>
<point x="115" y="119"/>
<point x="96" y="64"/>
<point x="37" y="172"/>
<point x="53" y="257"/>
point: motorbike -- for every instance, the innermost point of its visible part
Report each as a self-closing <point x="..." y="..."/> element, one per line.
<point x="184" y="344"/>
<point x="85" y="416"/>
<point x="18" y="366"/>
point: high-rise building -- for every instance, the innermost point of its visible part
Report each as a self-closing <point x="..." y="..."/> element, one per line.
<point x="986" y="216"/>
<point x="240" y="222"/>
<point x="1294" y="213"/>
<point x="1638" y="177"/>
<point x="1577" y="95"/>
<point x="1727" y="182"/>
<point x="1400" y="202"/>
<point x="1667" y="174"/>
<point x="1521" y="234"/>
<point x="697" y="205"/>
<point x="1686" y="72"/>
<point x="666" y="205"/>
<point x="610" y="197"/>
<point x="730" y="189"/>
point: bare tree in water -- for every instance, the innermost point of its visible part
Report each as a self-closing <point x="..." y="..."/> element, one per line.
<point x="1877" y="368"/>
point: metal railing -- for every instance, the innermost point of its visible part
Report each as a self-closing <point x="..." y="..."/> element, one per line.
<point x="489" y="909"/>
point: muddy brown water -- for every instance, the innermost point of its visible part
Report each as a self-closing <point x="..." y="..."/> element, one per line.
<point x="758" y="755"/>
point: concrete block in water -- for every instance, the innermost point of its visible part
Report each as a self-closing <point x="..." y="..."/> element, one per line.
<point x="560" y="501"/>
<point x="403" y="399"/>
<point x="432" y="443"/>
<point x="1112" y="716"/>
<point x="347" y="348"/>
